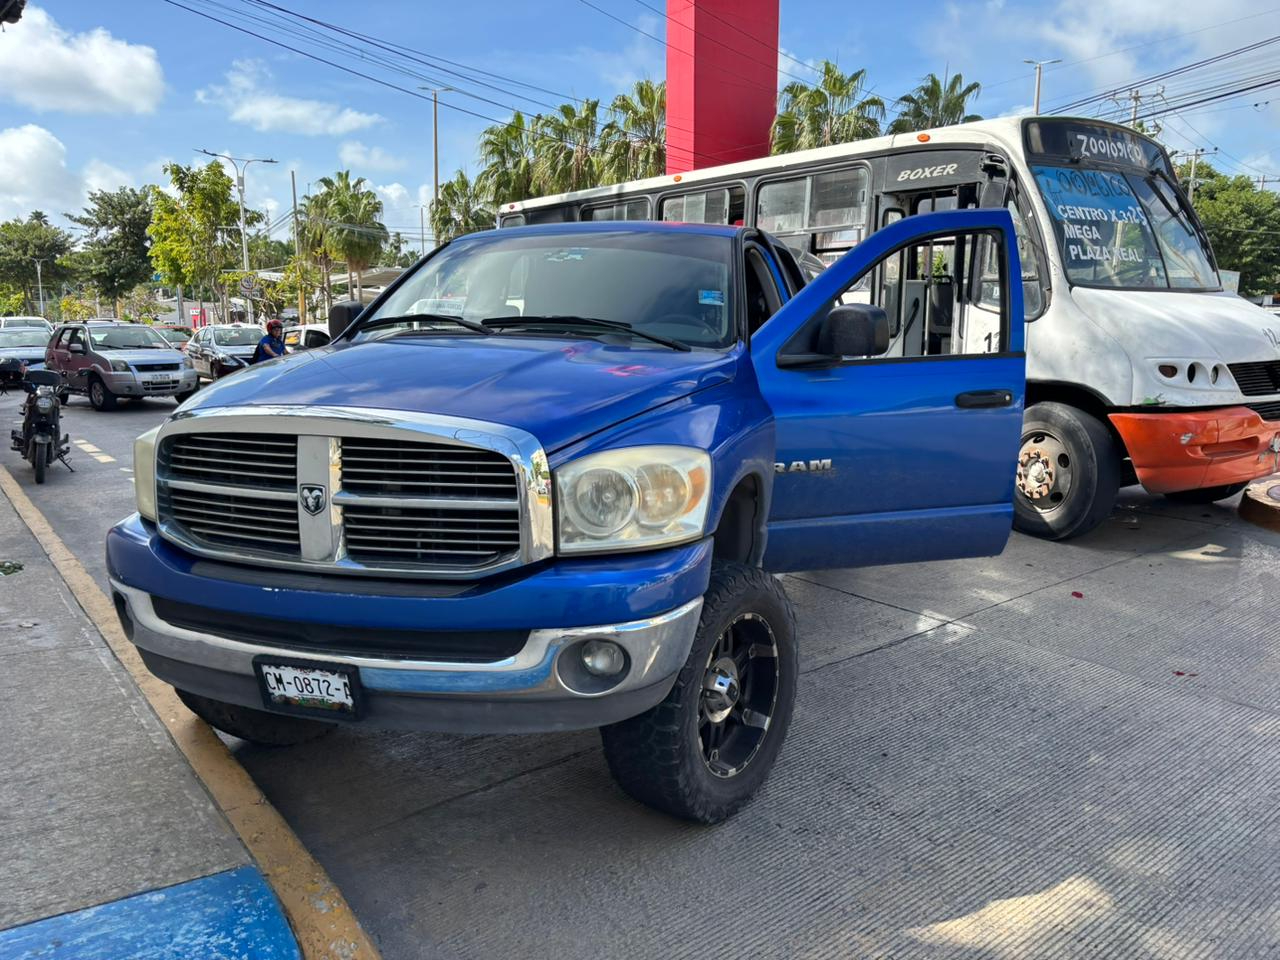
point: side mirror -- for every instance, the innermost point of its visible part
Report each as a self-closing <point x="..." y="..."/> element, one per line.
<point x="854" y="330"/>
<point x="76" y="348"/>
<point x="342" y="315"/>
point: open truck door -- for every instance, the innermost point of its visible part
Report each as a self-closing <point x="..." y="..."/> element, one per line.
<point x="897" y="427"/>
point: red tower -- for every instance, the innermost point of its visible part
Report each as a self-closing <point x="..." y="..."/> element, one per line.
<point x="722" y="80"/>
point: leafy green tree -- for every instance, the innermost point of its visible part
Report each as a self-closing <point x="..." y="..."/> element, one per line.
<point x="313" y="234"/>
<point x="72" y="308"/>
<point x="565" y="153"/>
<point x="1243" y="223"/>
<point x="507" y="160"/>
<point x="355" y="231"/>
<point x="462" y="208"/>
<point x="633" y="143"/>
<point x="401" y="254"/>
<point x="188" y="245"/>
<point x="935" y="103"/>
<point x="116" y="245"/>
<point x="837" y="109"/>
<point x="22" y="243"/>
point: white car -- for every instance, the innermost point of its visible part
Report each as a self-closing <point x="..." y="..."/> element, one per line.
<point x="26" y="322"/>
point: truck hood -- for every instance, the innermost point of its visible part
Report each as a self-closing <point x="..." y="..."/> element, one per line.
<point x="1164" y="324"/>
<point x="29" y="354"/>
<point x="557" y="390"/>
<point x="240" y="352"/>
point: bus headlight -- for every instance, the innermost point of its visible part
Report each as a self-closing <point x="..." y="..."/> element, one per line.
<point x="632" y="499"/>
<point x="144" y="473"/>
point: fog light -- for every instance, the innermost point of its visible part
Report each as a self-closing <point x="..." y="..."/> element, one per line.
<point x="603" y="658"/>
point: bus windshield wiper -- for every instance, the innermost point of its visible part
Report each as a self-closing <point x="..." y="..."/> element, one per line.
<point x="495" y="323"/>
<point x="473" y="325"/>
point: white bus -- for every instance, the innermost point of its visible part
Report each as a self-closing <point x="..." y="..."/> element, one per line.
<point x="1140" y="368"/>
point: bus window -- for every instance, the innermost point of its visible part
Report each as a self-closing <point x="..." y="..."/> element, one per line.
<point x="725" y="205"/>
<point x="826" y="212"/>
<point x="637" y="209"/>
<point x="512" y="220"/>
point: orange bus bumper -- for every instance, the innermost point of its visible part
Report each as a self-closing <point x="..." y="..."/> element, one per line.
<point x="1173" y="451"/>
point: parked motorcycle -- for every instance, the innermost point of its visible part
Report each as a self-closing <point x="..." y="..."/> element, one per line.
<point x="41" y="440"/>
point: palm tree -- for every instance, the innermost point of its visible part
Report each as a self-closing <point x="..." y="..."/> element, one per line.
<point x="935" y="103"/>
<point x="634" y="142"/>
<point x="565" y="152"/>
<point x="462" y="208"/>
<point x="835" y="110"/>
<point x="355" y="231"/>
<point x="313" y="236"/>
<point x="506" y="151"/>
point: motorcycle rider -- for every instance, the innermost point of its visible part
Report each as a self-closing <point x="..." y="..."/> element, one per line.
<point x="271" y="345"/>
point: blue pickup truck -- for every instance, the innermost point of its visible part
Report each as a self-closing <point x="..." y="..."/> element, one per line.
<point x="545" y="481"/>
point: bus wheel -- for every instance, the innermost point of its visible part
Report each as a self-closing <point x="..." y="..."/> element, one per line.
<point x="1068" y="473"/>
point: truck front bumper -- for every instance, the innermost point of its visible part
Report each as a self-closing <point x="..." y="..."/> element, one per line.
<point x="540" y="687"/>
<point x="1187" y="450"/>
<point x="126" y="384"/>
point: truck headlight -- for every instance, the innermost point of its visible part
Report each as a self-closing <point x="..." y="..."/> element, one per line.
<point x="144" y="473"/>
<point x="632" y="499"/>
<point x="119" y="366"/>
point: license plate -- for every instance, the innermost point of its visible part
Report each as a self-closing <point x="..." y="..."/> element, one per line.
<point x="300" y="686"/>
<point x="157" y="377"/>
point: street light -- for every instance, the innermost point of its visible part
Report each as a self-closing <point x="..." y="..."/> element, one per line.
<point x="1039" y="65"/>
<point x="240" y="164"/>
<point x="422" y="226"/>
<point x="435" y="136"/>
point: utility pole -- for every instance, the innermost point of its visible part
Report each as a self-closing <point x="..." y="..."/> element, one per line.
<point x="435" y="137"/>
<point x="40" y="284"/>
<point x="297" y="250"/>
<point x="1135" y="98"/>
<point x="241" y="164"/>
<point x="1195" y="154"/>
<point x="1262" y="181"/>
<point x="1039" y="65"/>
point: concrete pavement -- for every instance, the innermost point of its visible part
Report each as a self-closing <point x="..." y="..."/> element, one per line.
<point x="111" y="846"/>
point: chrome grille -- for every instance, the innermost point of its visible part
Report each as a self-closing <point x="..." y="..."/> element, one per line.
<point x="450" y="537"/>
<point x="1257" y="379"/>
<point x="155" y="367"/>
<point x="350" y="491"/>
<point x="416" y="469"/>
<point x="232" y="459"/>
<point x="229" y="520"/>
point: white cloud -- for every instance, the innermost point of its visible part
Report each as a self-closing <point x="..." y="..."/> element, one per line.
<point x="37" y="176"/>
<point x="247" y="101"/>
<point x="47" y="68"/>
<point x="358" y="157"/>
<point x="400" y="211"/>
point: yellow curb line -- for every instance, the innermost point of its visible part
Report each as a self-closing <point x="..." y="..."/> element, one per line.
<point x="322" y="921"/>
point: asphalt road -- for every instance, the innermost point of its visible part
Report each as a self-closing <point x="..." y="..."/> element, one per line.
<point x="1068" y="750"/>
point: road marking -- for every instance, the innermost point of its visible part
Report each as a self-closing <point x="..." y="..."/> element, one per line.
<point x="94" y="452"/>
<point x="325" y="925"/>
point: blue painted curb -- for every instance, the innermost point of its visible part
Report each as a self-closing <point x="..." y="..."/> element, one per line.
<point x="227" y="916"/>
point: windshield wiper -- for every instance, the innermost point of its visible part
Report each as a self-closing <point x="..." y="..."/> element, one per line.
<point x="472" y="325"/>
<point x="496" y="323"/>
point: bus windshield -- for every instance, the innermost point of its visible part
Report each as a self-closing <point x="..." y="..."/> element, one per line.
<point x="1119" y="220"/>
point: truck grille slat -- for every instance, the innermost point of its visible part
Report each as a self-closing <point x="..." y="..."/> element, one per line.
<point x="1257" y="378"/>
<point x="1268" y="411"/>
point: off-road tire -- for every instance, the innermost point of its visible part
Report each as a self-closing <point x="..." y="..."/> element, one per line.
<point x="1207" y="494"/>
<point x="1095" y="464"/>
<point x="256" y="726"/>
<point x="657" y="758"/>
<point x="101" y="398"/>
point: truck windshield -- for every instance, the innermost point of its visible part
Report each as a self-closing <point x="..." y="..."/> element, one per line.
<point x="666" y="283"/>
<point x="1118" y="218"/>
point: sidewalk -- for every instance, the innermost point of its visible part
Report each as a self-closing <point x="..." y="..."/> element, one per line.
<point x="111" y="846"/>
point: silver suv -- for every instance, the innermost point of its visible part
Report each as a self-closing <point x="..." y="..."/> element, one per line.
<point x="107" y="361"/>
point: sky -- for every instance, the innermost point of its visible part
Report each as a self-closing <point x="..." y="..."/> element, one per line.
<point x="97" y="95"/>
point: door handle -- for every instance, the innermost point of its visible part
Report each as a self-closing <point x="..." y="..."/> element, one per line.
<point x="980" y="399"/>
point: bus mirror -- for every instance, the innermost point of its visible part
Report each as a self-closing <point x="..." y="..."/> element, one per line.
<point x="995" y="192"/>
